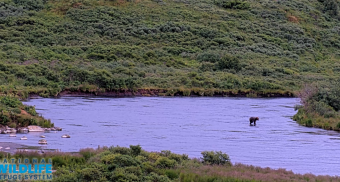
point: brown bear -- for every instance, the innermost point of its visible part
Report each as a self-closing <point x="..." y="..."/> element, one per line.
<point x="253" y="119"/>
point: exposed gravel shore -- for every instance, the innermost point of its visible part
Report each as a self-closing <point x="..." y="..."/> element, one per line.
<point x="13" y="147"/>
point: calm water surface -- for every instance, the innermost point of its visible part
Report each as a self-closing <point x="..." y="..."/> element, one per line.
<point x="190" y="126"/>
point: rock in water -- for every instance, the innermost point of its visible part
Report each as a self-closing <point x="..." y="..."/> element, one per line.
<point x="42" y="141"/>
<point x="58" y="128"/>
<point x="66" y="136"/>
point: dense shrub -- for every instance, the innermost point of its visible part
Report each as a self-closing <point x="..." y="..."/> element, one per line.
<point x="31" y="4"/>
<point x="215" y="158"/>
<point x="164" y="162"/>
<point x="124" y="161"/>
<point x="10" y="101"/>
<point x="135" y="150"/>
<point x="319" y="105"/>
<point x="120" y="150"/>
<point x="229" y="62"/>
<point x="233" y="4"/>
<point x="331" y="7"/>
<point x="309" y="123"/>
<point x="338" y="125"/>
<point x="207" y="66"/>
<point x="211" y="57"/>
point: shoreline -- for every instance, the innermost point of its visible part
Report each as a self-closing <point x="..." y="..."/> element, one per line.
<point x="29" y="149"/>
<point x="14" y="147"/>
<point x="165" y="92"/>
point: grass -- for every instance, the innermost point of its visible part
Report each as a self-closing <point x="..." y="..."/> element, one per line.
<point x="135" y="164"/>
<point x="241" y="172"/>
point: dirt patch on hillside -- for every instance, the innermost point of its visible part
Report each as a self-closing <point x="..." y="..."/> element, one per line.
<point x="293" y="19"/>
<point x="23" y="112"/>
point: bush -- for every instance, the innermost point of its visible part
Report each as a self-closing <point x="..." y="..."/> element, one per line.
<point x="16" y="110"/>
<point x="309" y="123"/>
<point x="31" y="4"/>
<point x="323" y="100"/>
<point x="109" y="158"/>
<point x="87" y="153"/>
<point x="120" y="150"/>
<point x="229" y="62"/>
<point x="171" y="174"/>
<point x="124" y="161"/>
<point x="89" y="174"/>
<point x="58" y="161"/>
<point x="211" y="57"/>
<point x="12" y="125"/>
<point x="164" y="162"/>
<point x="338" y="125"/>
<point x="215" y="158"/>
<point x="331" y="7"/>
<point x="10" y="101"/>
<point x="155" y="177"/>
<point x="31" y="110"/>
<point x="207" y="66"/>
<point x="135" y="150"/>
<point x="233" y="4"/>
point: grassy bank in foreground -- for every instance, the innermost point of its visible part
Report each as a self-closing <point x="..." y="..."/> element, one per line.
<point x="320" y="106"/>
<point x="47" y="46"/>
<point x="135" y="164"/>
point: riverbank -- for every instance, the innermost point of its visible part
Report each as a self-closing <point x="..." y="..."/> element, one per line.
<point x="134" y="164"/>
<point x="320" y="106"/>
<point x="11" y="147"/>
<point x="166" y="92"/>
<point x="315" y="120"/>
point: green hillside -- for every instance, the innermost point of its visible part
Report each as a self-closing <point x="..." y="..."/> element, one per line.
<point x="257" y="46"/>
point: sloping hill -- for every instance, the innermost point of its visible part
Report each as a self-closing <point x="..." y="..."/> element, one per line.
<point x="17" y="115"/>
<point x="262" y="46"/>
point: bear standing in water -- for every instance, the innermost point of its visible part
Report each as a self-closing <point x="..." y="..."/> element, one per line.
<point x="253" y="119"/>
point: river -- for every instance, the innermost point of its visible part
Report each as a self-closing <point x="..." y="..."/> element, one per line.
<point x="192" y="125"/>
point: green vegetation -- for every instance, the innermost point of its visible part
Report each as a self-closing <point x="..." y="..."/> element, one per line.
<point x="185" y="47"/>
<point x="320" y="106"/>
<point x="14" y="114"/>
<point x="135" y="164"/>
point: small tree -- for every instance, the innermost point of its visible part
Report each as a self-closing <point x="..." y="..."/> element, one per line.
<point x="306" y="93"/>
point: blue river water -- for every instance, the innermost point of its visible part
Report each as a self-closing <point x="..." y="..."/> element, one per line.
<point x="192" y="125"/>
